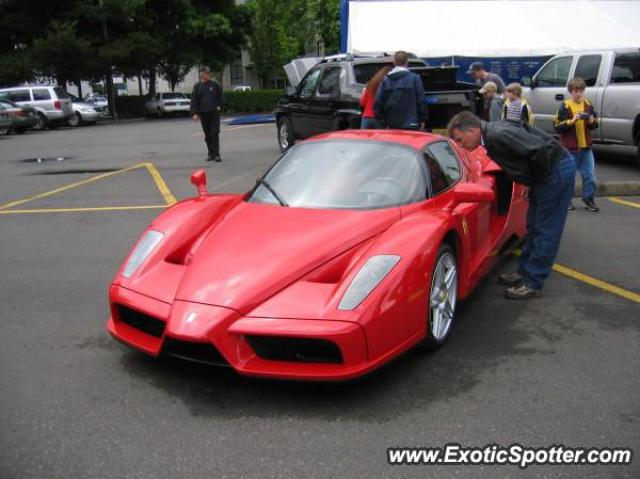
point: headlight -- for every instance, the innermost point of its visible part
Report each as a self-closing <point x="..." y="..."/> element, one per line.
<point x="142" y="250"/>
<point x="371" y="274"/>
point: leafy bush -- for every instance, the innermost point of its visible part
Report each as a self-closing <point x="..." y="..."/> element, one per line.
<point x="132" y="106"/>
<point x="251" y="101"/>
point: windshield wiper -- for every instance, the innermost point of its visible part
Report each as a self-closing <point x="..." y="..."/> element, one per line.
<point x="264" y="183"/>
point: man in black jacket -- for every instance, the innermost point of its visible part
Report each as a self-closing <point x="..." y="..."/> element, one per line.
<point x="206" y="104"/>
<point x="531" y="157"/>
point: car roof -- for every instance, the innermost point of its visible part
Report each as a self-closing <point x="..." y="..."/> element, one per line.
<point x="414" y="139"/>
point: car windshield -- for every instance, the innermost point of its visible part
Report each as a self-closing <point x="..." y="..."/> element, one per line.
<point x="173" y="96"/>
<point x="341" y="174"/>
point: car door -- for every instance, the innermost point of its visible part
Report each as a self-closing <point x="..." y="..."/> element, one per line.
<point x="326" y="101"/>
<point x="299" y="104"/>
<point x="588" y="68"/>
<point x="621" y="100"/>
<point x="445" y="170"/>
<point x="21" y="97"/>
<point x="548" y="89"/>
<point x="42" y="99"/>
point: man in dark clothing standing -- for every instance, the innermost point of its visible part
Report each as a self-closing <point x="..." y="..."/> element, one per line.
<point x="482" y="76"/>
<point x="534" y="158"/>
<point x="400" y="100"/>
<point x="206" y="104"/>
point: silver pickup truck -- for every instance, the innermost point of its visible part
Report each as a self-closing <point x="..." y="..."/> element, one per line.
<point x="613" y="87"/>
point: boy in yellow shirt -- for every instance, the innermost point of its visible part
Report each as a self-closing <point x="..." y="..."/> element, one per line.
<point x="574" y="121"/>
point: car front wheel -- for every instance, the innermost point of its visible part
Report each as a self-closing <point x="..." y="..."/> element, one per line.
<point x="442" y="298"/>
<point x="286" y="139"/>
<point x="76" y="120"/>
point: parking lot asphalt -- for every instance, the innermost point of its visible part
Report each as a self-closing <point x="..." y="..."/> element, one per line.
<point x="564" y="369"/>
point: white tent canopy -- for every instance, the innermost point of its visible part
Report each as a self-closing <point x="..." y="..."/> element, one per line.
<point x="492" y="28"/>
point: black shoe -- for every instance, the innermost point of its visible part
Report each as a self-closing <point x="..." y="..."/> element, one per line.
<point x="522" y="292"/>
<point x="571" y="206"/>
<point x="209" y="158"/>
<point x="510" y="279"/>
<point x="590" y="205"/>
<point x="217" y="159"/>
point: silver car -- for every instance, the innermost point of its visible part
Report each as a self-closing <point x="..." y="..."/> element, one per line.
<point x="52" y="103"/>
<point x="167" y="103"/>
<point x="83" y="113"/>
<point x="5" y="121"/>
<point x="613" y="87"/>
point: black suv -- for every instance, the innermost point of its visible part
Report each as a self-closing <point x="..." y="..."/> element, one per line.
<point x="327" y="97"/>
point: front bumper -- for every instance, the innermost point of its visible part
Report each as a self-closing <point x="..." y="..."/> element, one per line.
<point x="175" y="108"/>
<point x="91" y="116"/>
<point x="198" y="328"/>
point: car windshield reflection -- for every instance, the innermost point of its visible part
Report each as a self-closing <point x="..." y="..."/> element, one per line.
<point x="344" y="175"/>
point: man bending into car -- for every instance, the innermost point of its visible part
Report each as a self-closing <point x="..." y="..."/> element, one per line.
<point x="531" y="157"/>
<point x="400" y="101"/>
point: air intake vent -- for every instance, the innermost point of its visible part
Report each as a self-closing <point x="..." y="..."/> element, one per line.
<point x="204" y="353"/>
<point x="145" y="323"/>
<point x="302" y="350"/>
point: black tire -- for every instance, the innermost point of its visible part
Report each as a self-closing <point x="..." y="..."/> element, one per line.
<point x="5" y="131"/>
<point x="76" y="120"/>
<point x="435" y="339"/>
<point x="41" y="122"/>
<point x="284" y="134"/>
<point x="159" y="113"/>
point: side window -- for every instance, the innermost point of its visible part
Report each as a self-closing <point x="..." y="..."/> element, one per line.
<point x="330" y="83"/>
<point x="588" y="68"/>
<point x="20" y="95"/>
<point x="444" y="167"/>
<point x="626" y="68"/>
<point x="555" y="73"/>
<point x="41" y="94"/>
<point x="308" y="85"/>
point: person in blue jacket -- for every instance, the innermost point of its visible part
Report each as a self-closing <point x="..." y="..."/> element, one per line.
<point x="400" y="101"/>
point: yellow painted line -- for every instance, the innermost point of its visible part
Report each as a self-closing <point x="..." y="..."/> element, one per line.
<point x="624" y="202"/>
<point x="76" y="210"/>
<point x="68" y="187"/>
<point x="160" y="183"/>
<point x="598" y="283"/>
<point x="595" y="282"/>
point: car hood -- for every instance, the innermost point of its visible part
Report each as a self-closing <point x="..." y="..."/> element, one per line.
<point x="257" y="250"/>
<point x="82" y="104"/>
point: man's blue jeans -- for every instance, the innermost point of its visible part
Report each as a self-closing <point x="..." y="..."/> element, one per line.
<point x="587" y="168"/>
<point x="548" y="205"/>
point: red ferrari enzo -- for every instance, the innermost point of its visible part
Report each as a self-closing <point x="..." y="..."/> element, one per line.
<point x="354" y="247"/>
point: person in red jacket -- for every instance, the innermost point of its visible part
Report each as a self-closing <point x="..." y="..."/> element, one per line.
<point x="369" y="120"/>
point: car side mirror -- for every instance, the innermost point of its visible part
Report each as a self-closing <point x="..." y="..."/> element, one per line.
<point x="473" y="193"/>
<point x="199" y="180"/>
<point x="526" y="81"/>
